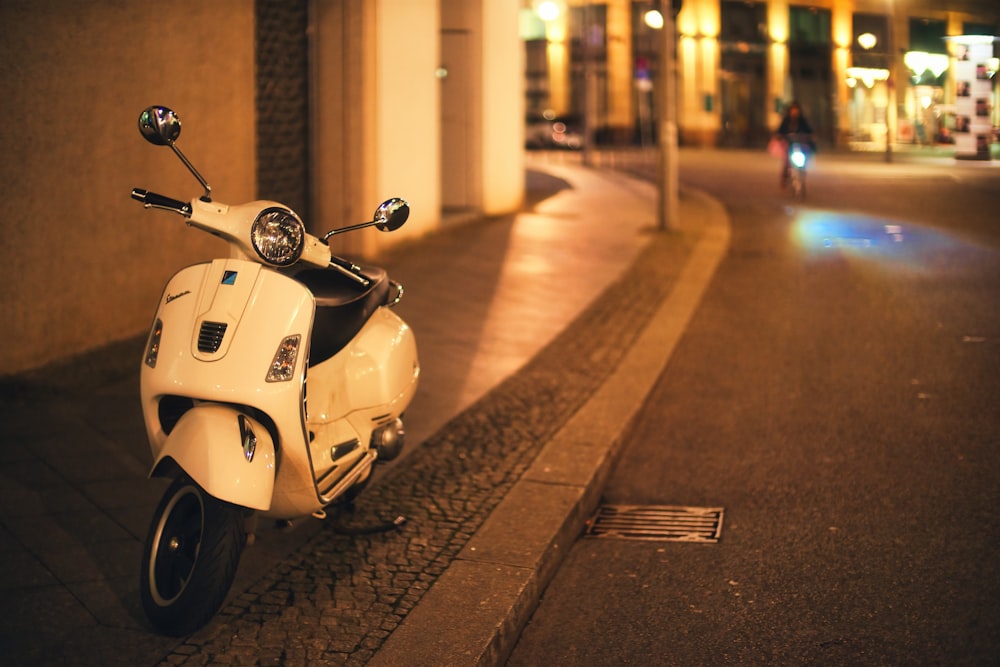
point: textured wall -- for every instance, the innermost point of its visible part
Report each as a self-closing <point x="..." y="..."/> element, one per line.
<point x="83" y="264"/>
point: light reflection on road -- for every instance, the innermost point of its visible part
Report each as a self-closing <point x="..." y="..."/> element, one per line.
<point x="890" y="241"/>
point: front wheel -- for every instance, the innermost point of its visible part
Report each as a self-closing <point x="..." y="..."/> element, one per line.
<point x="190" y="558"/>
<point x="799" y="182"/>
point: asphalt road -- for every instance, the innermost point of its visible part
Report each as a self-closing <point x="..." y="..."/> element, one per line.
<point x="836" y="393"/>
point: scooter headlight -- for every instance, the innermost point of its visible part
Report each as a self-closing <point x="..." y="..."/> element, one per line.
<point x="278" y="236"/>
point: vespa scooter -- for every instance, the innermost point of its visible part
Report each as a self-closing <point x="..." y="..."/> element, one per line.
<point x="273" y="380"/>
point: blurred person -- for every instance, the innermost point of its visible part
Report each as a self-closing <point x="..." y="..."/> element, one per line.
<point x="794" y="128"/>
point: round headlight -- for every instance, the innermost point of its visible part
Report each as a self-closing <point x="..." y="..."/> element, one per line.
<point x="278" y="236"/>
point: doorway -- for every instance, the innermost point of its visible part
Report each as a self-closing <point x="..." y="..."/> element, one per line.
<point x="456" y="121"/>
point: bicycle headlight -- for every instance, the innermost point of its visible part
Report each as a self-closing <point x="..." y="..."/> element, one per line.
<point x="278" y="236"/>
<point x="798" y="157"/>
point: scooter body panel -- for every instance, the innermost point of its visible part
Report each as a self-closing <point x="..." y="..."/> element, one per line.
<point x="249" y="311"/>
<point x="364" y="386"/>
<point x="378" y="367"/>
<point x="229" y="454"/>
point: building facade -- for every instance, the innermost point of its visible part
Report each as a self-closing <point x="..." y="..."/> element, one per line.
<point x="330" y="106"/>
<point x="863" y="70"/>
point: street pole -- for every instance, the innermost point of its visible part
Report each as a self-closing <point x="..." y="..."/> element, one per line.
<point x="589" y="87"/>
<point x="667" y="112"/>
<point x="890" y="83"/>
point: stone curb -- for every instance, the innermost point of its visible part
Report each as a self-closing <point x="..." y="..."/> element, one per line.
<point x="474" y="613"/>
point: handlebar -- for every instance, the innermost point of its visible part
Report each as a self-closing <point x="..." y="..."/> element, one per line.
<point x="154" y="200"/>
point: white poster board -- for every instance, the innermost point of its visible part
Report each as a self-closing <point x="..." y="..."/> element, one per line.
<point x="973" y="96"/>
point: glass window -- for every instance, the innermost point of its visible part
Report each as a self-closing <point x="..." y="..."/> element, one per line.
<point x="979" y="29"/>
<point x="928" y="35"/>
<point x="808" y="25"/>
<point x="873" y="50"/>
<point x="743" y="22"/>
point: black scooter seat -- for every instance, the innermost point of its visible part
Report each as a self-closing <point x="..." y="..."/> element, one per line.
<point x="343" y="306"/>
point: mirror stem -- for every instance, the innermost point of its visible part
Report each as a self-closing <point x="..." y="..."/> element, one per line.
<point x="349" y="229"/>
<point x="207" y="197"/>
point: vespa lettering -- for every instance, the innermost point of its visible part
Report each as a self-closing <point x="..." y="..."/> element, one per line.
<point x="171" y="297"/>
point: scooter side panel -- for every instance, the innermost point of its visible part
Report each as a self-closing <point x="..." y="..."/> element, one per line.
<point x="383" y="366"/>
<point x="378" y="368"/>
<point x="213" y="447"/>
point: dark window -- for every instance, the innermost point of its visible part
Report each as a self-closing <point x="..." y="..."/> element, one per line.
<point x="743" y="22"/>
<point x="808" y="25"/>
<point x="876" y="25"/>
<point x="979" y="29"/>
<point x="927" y="35"/>
<point x="587" y="32"/>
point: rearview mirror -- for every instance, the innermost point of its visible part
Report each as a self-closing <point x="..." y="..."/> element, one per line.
<point x="391" y="215"/>
<point x="159" y="126"/>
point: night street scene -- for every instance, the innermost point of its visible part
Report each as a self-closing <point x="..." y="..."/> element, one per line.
<point x="500" y="333"/>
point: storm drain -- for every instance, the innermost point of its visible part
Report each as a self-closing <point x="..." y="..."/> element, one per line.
<point x="657" y="522"/>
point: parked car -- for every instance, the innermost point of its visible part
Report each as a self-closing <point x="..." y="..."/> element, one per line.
<point x="555" y="132"/>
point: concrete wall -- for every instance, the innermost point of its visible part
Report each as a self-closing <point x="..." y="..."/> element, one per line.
<point x="83" y="264"/>
<point x="503" y="108"/>
<point x="407" y="146"/>
<point x="342" y="112"/>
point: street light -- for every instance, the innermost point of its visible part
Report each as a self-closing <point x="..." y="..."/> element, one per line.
<point x="548" y="10"/>
<point x="653" y="18"/>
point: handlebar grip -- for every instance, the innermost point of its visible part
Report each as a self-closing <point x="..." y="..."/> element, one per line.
<point x="153" y="200"/>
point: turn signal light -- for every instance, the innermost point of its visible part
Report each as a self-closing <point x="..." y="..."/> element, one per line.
<point x="153" y="346"/>
<point x="283" y="365"/>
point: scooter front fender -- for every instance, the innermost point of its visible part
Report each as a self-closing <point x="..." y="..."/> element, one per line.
<point x="229" y="454"/>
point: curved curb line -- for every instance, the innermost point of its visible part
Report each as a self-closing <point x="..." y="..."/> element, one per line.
<point x="474" y="613"/>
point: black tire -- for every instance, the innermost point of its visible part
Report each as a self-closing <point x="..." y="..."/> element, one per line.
<point x="189" y="559"/>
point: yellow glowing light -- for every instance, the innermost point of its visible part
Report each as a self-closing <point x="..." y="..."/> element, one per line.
<point x="708" y="26"/>
<point x="548" y="10"/>
<point x="841" y="30"/>
<point x="653" y="18"/>
<point x="777" y="22"/>
<point x="687" y="23"/>
<point x="919" y="62"/>
<point x="867" y="75"/>
<point x="972" y="39"/>
<point x="867" y="40"/>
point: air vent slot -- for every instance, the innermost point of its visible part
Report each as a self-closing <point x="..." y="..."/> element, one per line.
<point x="210" y="336"/>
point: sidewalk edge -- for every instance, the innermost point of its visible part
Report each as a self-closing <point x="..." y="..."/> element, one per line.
<point x="474" y="613"/>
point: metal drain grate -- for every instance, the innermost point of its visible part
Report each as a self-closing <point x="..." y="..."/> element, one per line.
<point x="657" y="522"/>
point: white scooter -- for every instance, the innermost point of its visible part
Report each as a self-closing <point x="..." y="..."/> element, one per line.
<point x="229" y="412"/>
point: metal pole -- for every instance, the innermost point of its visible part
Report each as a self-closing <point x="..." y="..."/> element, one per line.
<point x="890" y="83"/>
<point x="667" y="214"/>
<point x="589" y="86"/>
